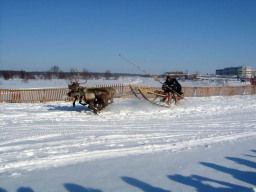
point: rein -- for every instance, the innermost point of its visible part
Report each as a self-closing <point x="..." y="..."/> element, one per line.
<point x="79" y="92"/>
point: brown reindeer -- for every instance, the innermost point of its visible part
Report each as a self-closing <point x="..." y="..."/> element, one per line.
<point x="96" y="98"/>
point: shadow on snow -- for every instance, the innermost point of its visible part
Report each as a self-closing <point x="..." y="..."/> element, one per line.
<point x="200" y="183"/>
<point x="77" y="188"/>
<point x="78" y="108"/>
<point x="68" y="186"/>
<point x="142" y="185"/>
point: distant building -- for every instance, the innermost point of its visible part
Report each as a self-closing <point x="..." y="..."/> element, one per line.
<point x="180" y="75"/>
<point x="241" y="72"/>
<point x="175" y="73"/>
<point x="254" y="73"/>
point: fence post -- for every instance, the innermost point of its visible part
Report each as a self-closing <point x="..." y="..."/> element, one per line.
<point x="194" y="92"/>
<point x="122" y="91"/>
<point x="207" y="94"/>
<point x="12" y="97"/>
<point x="1" y="96"/>
<point x="232" y="91"/>
<point x="44" y="98"/>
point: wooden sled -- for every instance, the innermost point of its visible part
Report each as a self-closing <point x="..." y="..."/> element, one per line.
<point x="156" y="97"/>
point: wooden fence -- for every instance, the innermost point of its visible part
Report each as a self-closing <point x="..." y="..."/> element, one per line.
<point x="49" y="95"/>
<point x="32" y="95"/>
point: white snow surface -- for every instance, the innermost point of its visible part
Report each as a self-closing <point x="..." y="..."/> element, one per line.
<point x="202" y="144"/>
<point x="139" y="81"/>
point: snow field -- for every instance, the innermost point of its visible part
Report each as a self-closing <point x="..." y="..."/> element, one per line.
<point x="203" y="144"/>
<point x="138" y="81"/>
<point x="52" y="135"/>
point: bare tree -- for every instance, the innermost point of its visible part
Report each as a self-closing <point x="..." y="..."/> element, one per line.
<point x="62" y="75"/>
<point x="107" y="75"/>
<point x="55" y="69"/>
<point x="48" y="75"/>
<point x="86" y="74"/>
<point x="7" y="75"/>
<point x="23" y="74"/>
<point x="96" y="76"/>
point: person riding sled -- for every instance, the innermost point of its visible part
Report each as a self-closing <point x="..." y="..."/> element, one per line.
<point x="172" y="85"/>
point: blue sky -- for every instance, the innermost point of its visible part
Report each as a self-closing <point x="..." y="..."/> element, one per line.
<point x="159" y="35"/>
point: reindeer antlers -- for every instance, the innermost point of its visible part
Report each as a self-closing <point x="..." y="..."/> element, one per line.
<point x="77" y="80"/>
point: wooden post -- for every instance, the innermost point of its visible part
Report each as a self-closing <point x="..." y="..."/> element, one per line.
<point x="43" y="97"/>
<point x="1" y="96"/>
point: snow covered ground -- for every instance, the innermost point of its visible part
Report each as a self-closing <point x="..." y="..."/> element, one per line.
<point x="203" y="144"/>
<point x="140" y="81"/>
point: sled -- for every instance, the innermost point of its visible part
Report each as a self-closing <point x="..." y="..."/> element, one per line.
<point x="156" y="97"/>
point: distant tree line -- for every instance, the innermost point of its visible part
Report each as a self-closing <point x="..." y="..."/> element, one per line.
<point x="56" y="73"/>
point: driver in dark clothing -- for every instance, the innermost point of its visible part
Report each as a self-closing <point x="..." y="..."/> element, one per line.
<point x="172" y="84"/>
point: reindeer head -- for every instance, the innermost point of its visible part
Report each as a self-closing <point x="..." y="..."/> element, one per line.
<point x="74" y="87"/>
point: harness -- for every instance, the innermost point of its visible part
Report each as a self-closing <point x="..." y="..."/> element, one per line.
<point x="80" y="93"/>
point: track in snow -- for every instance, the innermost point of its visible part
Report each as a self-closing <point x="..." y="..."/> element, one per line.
<point x="35" y="136"/>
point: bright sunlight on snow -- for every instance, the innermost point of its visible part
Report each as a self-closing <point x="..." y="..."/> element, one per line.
<point x="202" y="144"/>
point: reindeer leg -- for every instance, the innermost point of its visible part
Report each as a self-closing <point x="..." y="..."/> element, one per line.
<point x="92" y="106"/>
<point x="104" y="104"/>
<point x="100" y="105"/>
<point x="82" y="103"/>
<point x="74" y="102"/>
<point x="112" y="98"/>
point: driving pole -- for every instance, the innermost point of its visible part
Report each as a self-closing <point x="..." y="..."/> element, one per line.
<point x="147" y="73"/>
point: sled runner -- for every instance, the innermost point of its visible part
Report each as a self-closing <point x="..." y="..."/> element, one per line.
<point x="155" y="97"/>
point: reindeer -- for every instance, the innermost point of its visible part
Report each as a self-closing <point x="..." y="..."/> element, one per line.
<point x="103" y="96"/>
<point x="96" y="98"/>
<point x="112" y="93"/>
